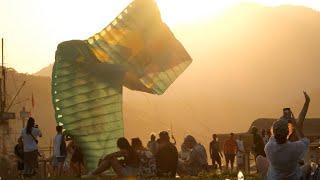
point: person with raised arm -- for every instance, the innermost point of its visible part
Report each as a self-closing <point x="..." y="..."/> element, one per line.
<point x="283" y="155"/>
<point x="288" y="115"/>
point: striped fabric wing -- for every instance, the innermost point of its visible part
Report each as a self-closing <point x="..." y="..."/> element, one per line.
<point x="138" y="39"/>
<point x="87" y="101"/>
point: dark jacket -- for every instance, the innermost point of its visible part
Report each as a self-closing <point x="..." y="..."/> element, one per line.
<point x="167" y="160"/>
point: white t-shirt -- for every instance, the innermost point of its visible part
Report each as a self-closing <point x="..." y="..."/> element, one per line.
<point x="56" y="145"/>
<point x="29" y="144"/>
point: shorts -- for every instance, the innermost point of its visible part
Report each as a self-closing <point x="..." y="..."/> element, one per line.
<point x="58" y="160"/>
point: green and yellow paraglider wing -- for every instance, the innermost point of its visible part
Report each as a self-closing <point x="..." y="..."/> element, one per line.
<point x="87" y="98"/>
<point x="136" y="50"/>
<point x="138" y="39"/>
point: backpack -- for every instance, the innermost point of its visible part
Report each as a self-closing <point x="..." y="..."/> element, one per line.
<point x="63" y="146"/>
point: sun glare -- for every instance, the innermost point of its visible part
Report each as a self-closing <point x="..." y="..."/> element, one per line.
<point x="182" y="11"/>
<point x="50" y="22"/>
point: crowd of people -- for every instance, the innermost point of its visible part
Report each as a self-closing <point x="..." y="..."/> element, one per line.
<point x="278" y="153"/>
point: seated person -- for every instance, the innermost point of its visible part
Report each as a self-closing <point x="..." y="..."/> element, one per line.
<point x="147" y="162"/>
<point x="184" y="154"/>
<point x="126" y="168"/>
<point x="197" y="161"/>
<point x="166" y="157"/>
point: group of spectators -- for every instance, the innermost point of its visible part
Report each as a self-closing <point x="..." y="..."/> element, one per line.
<point x="278" y="152"/>
<point x="159" y="159"/>
<point x="232" y="148"/>
<point x="64" y="156"/>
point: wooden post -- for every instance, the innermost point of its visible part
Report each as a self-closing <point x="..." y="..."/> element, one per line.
<point x="50" y="148"/>
<point x="45" y="168"/>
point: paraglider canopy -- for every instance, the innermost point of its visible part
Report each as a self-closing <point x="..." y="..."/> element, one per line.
<point x="136" y="50"/>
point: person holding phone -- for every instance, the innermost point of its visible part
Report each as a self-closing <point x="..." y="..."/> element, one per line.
<point x="288" y="115"/>
<point x="29" y="136"/>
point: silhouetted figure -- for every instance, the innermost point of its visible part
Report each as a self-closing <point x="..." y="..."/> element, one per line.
<point x="264" y="136"/>
<point x="18" y="151"/>
<point x="166" y="157"/>
<point x="75" y="158"/>
<point x="29" y="136"/>
<point x="147" y="162"/>
<point x="215" y="152"/>
<point x="198" y="161"/>
<point x="59" y="152"/>
<point x="288" y="115"/>
<point x="258" y="144"/>
<point x="152" y="144"/>
<point x="230" y="149"/>
<point x="184" y="154"/>
<point x="240" y="153"/>
<point x="284" y="155"/>
<point x="128" y="167"/>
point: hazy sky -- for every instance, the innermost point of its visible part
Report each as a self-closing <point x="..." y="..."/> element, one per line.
<point x="33" y="28"/>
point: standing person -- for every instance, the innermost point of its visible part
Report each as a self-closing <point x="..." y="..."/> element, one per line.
<point x="267" y="136"/>
<point x="215" y="152"/>
<point x="258" y="144"/>
<point x="29" y="136"/>
<point x="128" y="167"/>
<point x="264" y="136"/>
<point x="240" y="153"/>
<point x="230" y="149"/>
<point x="166" y="157"/>
<point x="288" y="115"/>
<point x="198" y="161"/>
<point x="75" y="158"/>
<point x="152" y="144"/>
<point x="59" y="152"/>
<point x="18" y="151"/>
<point x="147" y="162"/>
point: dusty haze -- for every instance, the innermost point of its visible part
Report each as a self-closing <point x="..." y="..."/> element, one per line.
<point x="249" y="63"/>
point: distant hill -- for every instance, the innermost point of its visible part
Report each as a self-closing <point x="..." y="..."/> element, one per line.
<point x="249" y="63"/>
<point x="46" y="71"/>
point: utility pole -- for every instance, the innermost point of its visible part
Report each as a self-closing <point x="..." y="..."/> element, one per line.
<point x="2" y="78"/>
<point x="4" y="81"/>
<point x="4" y="116"/>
